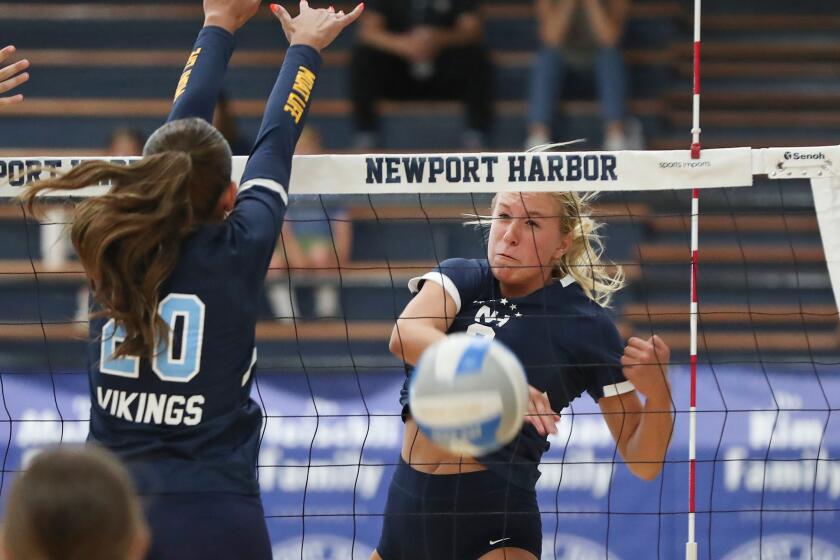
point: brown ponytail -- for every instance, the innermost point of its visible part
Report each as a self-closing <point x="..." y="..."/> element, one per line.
<point x="129" y="240"/>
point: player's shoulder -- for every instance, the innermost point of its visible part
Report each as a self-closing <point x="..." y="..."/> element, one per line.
<point x="459" y="263"/>
<point x="599" y="324"/>
<point x="570" y="294"/>
<point x="466" y="270"/>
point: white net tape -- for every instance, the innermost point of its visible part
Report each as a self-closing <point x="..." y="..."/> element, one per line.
<point x="493" y="172"/>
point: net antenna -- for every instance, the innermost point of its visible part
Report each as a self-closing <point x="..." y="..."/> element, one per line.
<point x="691" y="543"/>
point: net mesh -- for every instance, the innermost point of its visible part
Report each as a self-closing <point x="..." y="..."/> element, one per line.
<point x="768" y="477"/>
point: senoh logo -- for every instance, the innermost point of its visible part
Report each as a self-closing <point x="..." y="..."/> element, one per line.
<point x="804" y="156"/>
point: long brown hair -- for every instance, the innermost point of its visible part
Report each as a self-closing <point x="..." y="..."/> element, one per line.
<point x="74" y="503"/>
<point x="129" y="240"/>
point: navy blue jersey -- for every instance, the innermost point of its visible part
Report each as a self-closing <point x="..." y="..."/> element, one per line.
<point x="567" y="344"/>
<point x="184" y="421"/>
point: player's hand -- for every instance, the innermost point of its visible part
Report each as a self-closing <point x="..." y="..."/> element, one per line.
<point x="316" y="28"/>
<point x="229" y="14"/>
<point x="11" y="76"/>
<point x="539" y="412"/>
<point x="646" y="366"/>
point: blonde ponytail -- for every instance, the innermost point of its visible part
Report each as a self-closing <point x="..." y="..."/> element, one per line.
<point x="584" y="259"/>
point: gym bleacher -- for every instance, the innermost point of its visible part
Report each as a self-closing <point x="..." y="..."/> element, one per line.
<point x="771" y="80"/>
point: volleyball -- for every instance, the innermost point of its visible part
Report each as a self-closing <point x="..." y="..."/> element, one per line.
<point x="469" y="394"/>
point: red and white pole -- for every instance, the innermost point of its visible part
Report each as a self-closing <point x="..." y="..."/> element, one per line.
<point x="691" y="544"/>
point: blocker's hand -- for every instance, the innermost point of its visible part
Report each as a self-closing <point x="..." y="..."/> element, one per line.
<point x="539" y="412"/>
<point x="229" y="14"/>
<point x="11" y="76"/>
<point x="646" y="366"/>
<point x="316" y="28"/>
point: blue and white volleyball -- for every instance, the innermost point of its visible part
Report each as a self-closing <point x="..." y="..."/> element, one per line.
<point x="469" y="394"/>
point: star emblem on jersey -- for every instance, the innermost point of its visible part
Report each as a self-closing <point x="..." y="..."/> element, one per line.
<point x="492" y="313"/>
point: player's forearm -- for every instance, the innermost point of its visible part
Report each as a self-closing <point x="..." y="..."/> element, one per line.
<point x="646" y="447"/>
<point x="285" y="114"/>
<point x="201" y="82"/>
<point x="408" y="341"/>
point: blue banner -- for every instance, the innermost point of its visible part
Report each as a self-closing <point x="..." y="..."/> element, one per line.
<point x="768" y="477"/>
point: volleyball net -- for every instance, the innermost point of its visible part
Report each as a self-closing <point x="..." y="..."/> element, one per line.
<point x="761" y="441"/>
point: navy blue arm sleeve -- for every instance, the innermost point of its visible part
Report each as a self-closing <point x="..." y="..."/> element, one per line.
<point x="201" y="82"/>
<point x="263" y="189"/>
<point x="285" y="113"/>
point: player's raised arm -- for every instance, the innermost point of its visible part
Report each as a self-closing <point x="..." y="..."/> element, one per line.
<point x="201" y="82"/>
<point x="270" y="163"/>
<point x="263" y="190"/>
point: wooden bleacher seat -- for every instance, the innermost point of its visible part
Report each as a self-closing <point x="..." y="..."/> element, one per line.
<point x="711" y="341"/>
<point x="737" y="223"/>
<point x="732" y="254"/>
<point x="737" y="313"/>
<point x="266" y="331"/>
<point x="748" y="341"/>
<point x="98" y="107"/>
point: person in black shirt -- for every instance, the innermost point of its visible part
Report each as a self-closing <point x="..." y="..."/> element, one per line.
<point x="543" y="292"/>
<point x="176" y="256"/>
<point x="422" y="49"/>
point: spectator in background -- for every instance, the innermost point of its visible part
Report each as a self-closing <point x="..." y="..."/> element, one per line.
<point x="224" y="120"/>
<point x="422" y="49"/>
<point x="11" y="76"/>
<point x="580" y="31"/>
<point x="74" y="504"/>
<point x="125" y="141"/>
<point x="315" y="240"/>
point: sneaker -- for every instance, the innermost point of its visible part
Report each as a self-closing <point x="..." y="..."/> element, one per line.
<point x="326" y="301"/>
<point x="364" y="142"/>
<point x="632" y="138"/>
<point x="536" y="139"/>
<point x="472" y="140"/>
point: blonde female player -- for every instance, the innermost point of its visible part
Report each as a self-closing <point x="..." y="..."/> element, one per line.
<point x="542" y="291"/>
<point x="176" y="257"/>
